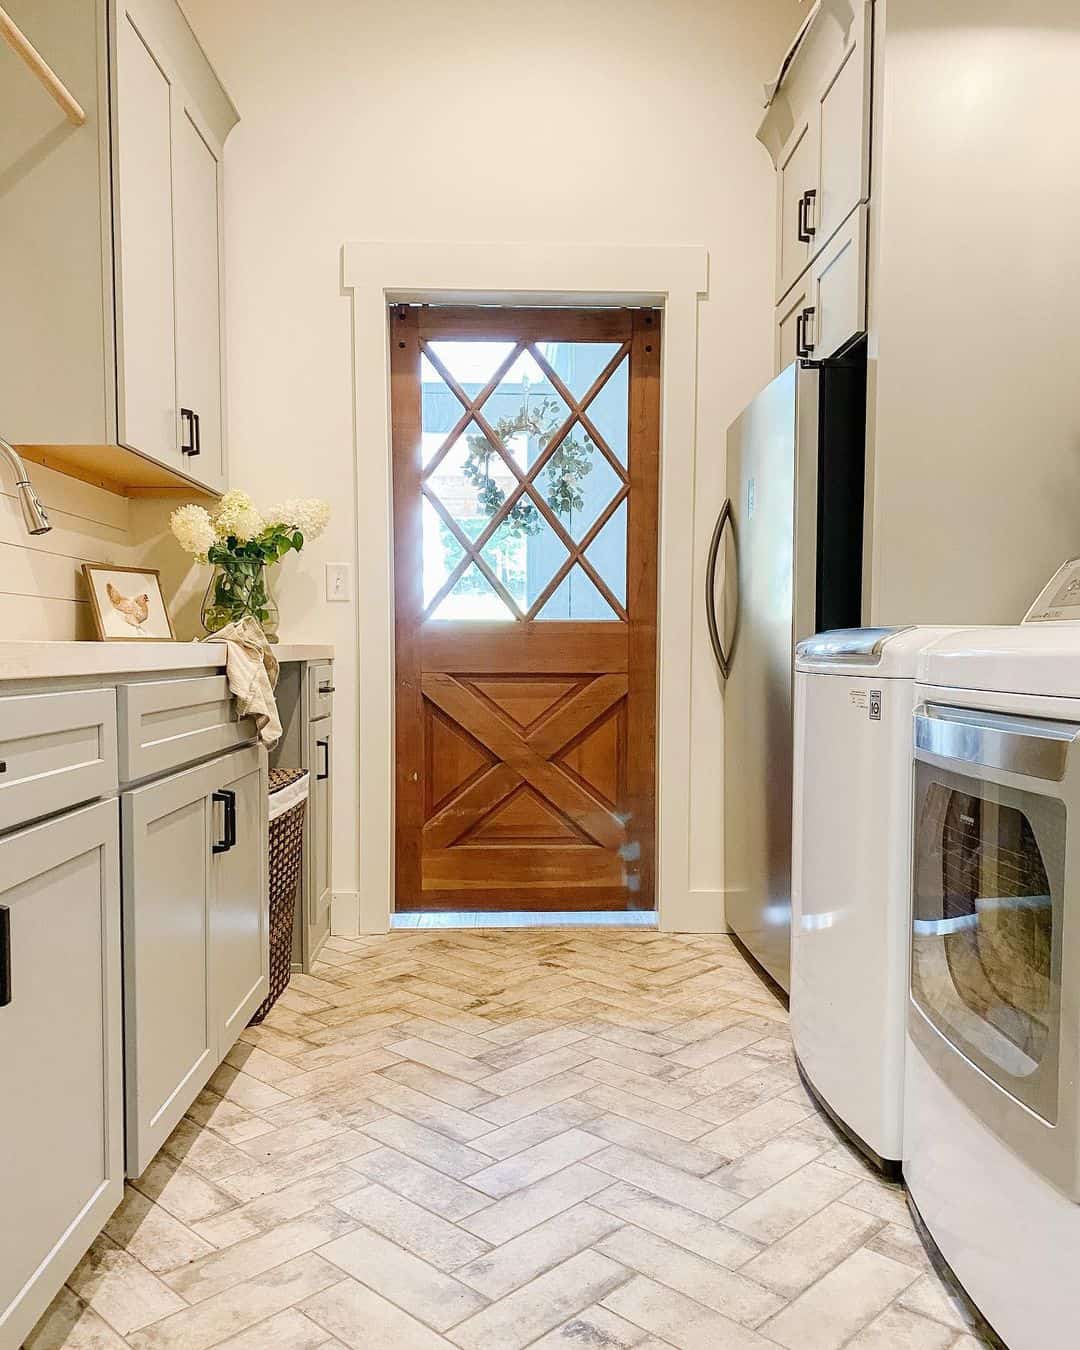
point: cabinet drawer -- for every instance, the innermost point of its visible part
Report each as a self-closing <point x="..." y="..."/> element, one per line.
<point x="826" y="312"/>
<point x="56" y="750"/>
<point x="320" y="676"/>
<point x="165" y="724"/>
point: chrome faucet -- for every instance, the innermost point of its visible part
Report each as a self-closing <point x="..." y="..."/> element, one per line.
<point x="35" y="517"/>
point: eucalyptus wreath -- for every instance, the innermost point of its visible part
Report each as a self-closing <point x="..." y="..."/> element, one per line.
<point x="568" y="466"/>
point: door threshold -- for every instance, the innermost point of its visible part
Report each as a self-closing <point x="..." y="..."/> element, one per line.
<point x="526" y="918"/>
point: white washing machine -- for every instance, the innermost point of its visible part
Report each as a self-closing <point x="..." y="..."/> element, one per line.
<point x="992" y="1100"/>
<point x="851" y="889"/>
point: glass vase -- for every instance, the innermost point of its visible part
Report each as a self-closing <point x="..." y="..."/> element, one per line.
<point x="238" y="590"/>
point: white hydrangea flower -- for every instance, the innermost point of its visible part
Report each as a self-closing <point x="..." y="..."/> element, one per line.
<point x="193" y="530"/>
<point x="309" y="515"/>
<point x="237" y="515"/>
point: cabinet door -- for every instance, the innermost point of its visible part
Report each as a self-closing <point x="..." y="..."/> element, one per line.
<point x="838" y="289"/>
<point x="61" y="1125"/>
<point x="197" y="213"/>
<point x="168" y="1029"/>
<point x="790" y="317"/>
<point x="319" y="833"/>
<point x="239" y="934"/>
<point x="143" y="205"/>
<point x="844" y="130"/>
<point x="796" y="182"/>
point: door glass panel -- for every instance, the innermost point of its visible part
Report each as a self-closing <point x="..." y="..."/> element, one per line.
<point x="578" y="364"/>
<point x="525" y="411"/>
<point x="471" y="364"/>
<point x="472" y="480"/>
<point x="578" y="482"/>
<point x="607" y="553"/>
<point x="440" y="410"/>
<point x="576" y="597"/>
<point x="524" y="559"/>
<point x="989" y="867"/>
<point x="442" y="552"/>
<point x="609" y="411"/>
<point x="473" y="597"/>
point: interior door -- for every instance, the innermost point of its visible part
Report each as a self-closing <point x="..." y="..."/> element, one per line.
<point x="525" y="518"/>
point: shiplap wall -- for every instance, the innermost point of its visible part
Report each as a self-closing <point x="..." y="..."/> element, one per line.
<point x="42" y="595"/>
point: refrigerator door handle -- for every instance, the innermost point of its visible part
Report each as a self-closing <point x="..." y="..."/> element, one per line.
<point x="725" y="518"/>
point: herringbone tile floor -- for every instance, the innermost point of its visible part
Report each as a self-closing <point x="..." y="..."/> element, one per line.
<point x="492" y="1140"/>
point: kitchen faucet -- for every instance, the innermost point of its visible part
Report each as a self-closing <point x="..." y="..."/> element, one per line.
<point x="35" y="517"/>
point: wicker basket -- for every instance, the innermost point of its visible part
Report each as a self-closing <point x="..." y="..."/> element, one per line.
<point x="286" y="856"/>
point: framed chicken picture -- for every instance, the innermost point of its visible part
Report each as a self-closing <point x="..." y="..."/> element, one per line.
<point x="127" y="603"/>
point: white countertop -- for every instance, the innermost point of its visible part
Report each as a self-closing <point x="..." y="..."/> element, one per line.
<point x="45" y="660"/>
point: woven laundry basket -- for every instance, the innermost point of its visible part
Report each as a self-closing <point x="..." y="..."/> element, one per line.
<point x="288" y="801"/>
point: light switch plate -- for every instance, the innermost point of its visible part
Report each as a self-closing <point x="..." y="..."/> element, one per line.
<point x="337" y="581"/>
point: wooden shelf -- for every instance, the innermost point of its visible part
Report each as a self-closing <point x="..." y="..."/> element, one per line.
<point x="116" y="469"/>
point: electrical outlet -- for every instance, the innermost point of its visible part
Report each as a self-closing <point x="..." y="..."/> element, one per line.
<point x="337" y="581"/>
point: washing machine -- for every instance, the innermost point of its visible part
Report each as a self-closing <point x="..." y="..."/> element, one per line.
<point x="991" y="1152"/>
<point x="854" y="695"/>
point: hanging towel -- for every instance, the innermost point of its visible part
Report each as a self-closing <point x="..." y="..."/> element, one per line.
<point x="252" y="671"/>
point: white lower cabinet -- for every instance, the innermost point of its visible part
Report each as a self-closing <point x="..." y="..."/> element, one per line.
<point x="320" y="758"/>
<point x="195" y="934"/>
<point x="61" y="1104"/>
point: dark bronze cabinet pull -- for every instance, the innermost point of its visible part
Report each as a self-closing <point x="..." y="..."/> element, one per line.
<point x="194" y="444"/>
<point x="324" y="746"/>
<point x="228" y="798"/>
<point x="5" y="956"/>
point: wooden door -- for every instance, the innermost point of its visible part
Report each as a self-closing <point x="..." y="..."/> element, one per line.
<point x="526" y="446"/>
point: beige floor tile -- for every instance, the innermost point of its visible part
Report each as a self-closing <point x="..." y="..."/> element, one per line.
<point x="204" y="1151"/>
<point x="121" y="1289"/>
<point x="594" y="1326"/>
<point x="676" y="1123"/>
<point x="631" y="1134"/>
<point x="928" y="1297"/>
<point x="268" y="1211"/>
<point x="436" y="1115"/>
<point x="505" y="1110"/>
<point x="363" y="1320"/>
<point x="519" y="1318"/>
<point x="259" y="1063"/>
<point x="533" y="1164"/>
<point x="812" y="1249"/>
<point x="422" y="1184"/>
<point x="436" y="1299"/>
<point x="699" y="1053"/>
<point x="437" y="1084"/>
<point x="753" y="1128"/>
<point x="304" y="1162"/>
<point x="532" y="1047"/>
<point x="543" y="1124"/>
<point x="152" y="1235"/>
<point x="902" y="1244"/>
<point x="434" y="1239"/>
<point x="340" y="1074"/>
<point x="705" y="1282"/>
<point x="898" y="1329"/>
<point x="534" y="1070"/>
<point x="507" y="1218"/>
<point x="678" y="1320"/>
<point x="244" y="1090"/>
<point x="288" y="1138"/>
<point x="212" y="1275"/>
<point x="663" y="1091"/>
<point x="523" y="1258"/>
<point x="181" y="1192"/>
<point x="756" y="1171"/>
<point x="70" y="1325"/>
<point x="885" y="1201"/>
<point x="657" y="1178"/>
<point x="681" y="1226"/>
<point x="427" y="1145"/>
<point x="790" y="1202"/>
<point x="842" y="1302"/>
<point x="288" y="1330"/>
<point x="441" y="1058"/>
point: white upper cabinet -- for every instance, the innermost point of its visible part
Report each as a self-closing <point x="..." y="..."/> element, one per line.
<point x="167" y="209"/>
<point x="111" y="256"/>
<point x="817" y="130"/>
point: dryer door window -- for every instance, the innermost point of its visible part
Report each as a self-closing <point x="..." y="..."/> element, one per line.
<point x="986" y="934"/>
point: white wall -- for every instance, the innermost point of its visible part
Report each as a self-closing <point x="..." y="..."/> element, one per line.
<point x="596" y="122"/>
<point x="975" y="342"/>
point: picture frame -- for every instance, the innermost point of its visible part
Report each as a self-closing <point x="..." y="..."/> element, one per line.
<point x="127" y="603"/>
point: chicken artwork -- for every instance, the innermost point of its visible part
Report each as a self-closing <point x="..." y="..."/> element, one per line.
<point x="134" y="610"/>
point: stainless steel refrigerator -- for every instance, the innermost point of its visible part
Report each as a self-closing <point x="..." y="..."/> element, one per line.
<point x="785" y="561"/>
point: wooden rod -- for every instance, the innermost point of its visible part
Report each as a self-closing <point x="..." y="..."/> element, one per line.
<point x="21" y="45"/>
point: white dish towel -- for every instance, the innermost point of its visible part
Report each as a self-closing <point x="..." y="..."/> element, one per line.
<point x="252" y="671"/>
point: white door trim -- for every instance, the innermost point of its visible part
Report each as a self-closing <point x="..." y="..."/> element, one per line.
<point x="377" y="274"/>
